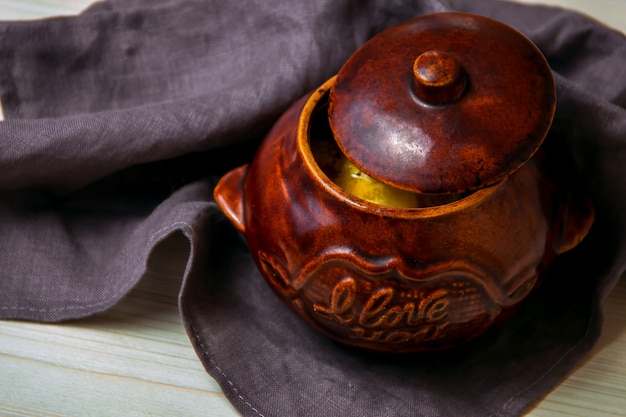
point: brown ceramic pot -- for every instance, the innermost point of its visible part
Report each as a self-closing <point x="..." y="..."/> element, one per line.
<point x="407" y="204"/>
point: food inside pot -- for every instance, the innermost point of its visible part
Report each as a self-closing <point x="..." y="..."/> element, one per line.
<point x="339" y="169"/>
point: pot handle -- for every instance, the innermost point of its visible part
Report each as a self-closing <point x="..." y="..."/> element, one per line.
<point x="228" y="195"/>
<point x="577" y="218"/>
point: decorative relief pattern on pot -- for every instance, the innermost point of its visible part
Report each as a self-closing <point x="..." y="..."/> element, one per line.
<point x="383" y="301"/>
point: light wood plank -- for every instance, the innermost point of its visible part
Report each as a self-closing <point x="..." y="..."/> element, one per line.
<point x="30" y="9"/>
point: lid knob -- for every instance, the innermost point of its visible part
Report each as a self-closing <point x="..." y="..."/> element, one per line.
<point x="439" y="79"/>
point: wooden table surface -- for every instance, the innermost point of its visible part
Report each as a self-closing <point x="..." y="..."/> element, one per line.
<point x="136" y="360"/>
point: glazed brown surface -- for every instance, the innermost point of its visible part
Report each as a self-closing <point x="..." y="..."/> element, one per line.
<point x="444" y="103"/>
<point x="384" y="278"/>
<point x="423" y="276"/>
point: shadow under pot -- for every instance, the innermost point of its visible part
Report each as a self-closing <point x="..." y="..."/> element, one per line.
<point x="407" y="204"/>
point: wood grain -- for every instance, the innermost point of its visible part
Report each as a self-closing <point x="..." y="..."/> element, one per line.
<point x="37" y="9"/>
<point x="136" y="360"/>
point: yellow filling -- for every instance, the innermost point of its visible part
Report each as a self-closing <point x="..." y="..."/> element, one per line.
<point x="361" y="185"/>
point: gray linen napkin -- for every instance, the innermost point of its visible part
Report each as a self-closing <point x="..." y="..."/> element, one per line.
<point x="120" y="120"/>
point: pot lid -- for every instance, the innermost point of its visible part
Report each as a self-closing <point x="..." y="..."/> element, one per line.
<point x="448" y="102"/>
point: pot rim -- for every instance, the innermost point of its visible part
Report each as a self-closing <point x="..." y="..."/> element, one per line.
<point x="336" y="192"/>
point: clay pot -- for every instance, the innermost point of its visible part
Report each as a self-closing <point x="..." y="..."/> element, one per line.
<point x="408" y="203"/>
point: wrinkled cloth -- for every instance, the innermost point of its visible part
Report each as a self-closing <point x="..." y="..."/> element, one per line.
<point x="120" y="121"/>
